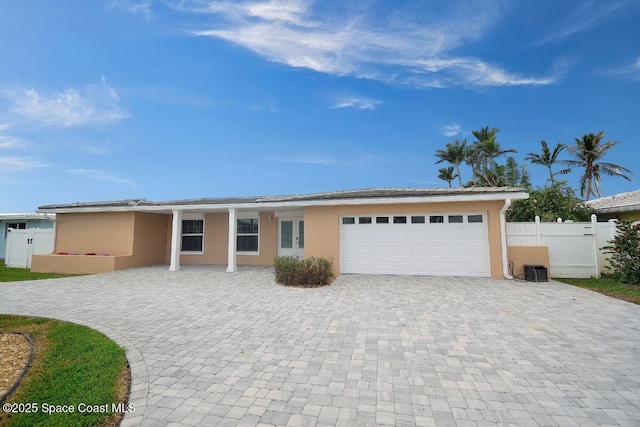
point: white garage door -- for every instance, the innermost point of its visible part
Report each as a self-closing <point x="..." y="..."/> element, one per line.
<point x="442" y="244"/>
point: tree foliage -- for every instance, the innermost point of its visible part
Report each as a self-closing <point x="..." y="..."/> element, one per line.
<point x="447" y="174"/>
<point x="454" y="153"/>
<point x="550" y="203"/>
<point x="548" y="158"/>
<point x="625" y="253"/>
<point x="587" y="153"/>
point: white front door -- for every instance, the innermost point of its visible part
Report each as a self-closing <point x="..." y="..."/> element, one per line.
<point x="291" y="237"/>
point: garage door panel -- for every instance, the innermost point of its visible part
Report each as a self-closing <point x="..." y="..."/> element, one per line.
<point x="440" y="249"/>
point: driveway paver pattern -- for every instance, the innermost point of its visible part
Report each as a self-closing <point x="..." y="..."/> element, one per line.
<point x="212" y="348"/>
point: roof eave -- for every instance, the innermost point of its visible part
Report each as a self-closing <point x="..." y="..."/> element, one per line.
<point x="160" y="208"/>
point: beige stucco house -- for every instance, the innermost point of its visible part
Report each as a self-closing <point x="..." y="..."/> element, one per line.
<point x="624" y="206"/>
<point x="441" y="232"/>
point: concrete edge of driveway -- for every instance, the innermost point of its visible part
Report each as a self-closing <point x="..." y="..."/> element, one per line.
<point x="139" y="387"/>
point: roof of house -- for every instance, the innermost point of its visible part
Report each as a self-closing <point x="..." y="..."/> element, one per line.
<point x="26" y="216"/>
<point x="301" y="199"/>
<point x="623" y="202"/>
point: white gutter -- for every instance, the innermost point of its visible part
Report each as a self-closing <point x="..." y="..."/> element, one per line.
<point x="503" y="239"/>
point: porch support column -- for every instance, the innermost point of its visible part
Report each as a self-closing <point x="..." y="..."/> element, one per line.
<point x="176" y="228"/>
<point x="233" y="225"/>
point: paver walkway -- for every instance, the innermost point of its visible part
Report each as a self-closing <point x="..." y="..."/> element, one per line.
<point x="211" y="348"/>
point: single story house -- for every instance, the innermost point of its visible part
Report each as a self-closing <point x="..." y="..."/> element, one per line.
<point x="22" y="221"/>
<point x="625" y="206"/>
<point x="441" y="232"/>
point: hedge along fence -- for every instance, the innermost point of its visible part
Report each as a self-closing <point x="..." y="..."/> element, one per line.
<point x="309" y="272"/>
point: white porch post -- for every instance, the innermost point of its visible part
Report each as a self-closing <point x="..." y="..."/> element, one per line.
<point x="233" y="226"/>
<point x="176" y="228"/>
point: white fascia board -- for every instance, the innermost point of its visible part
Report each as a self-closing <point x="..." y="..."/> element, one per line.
<point x="261" y="206"/>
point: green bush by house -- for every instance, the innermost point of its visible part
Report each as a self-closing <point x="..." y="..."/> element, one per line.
<point x="309" y="272"/>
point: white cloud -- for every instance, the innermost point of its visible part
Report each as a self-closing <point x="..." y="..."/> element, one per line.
<point x="102" y="176"/>
<point x="398" y="50"/>
<point x="8" y="141"/>
<point x="20" y="163"/>
<point x="451" y="130"/>
<point x="631" y="71"/>
<point x="357" y="102"/>
<point x="590" y="14"/>
<point x="95" y="104"/>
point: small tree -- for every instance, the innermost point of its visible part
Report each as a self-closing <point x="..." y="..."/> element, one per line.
<point x="625" y="253"/>
<point x="550" y="203"/>
<point x="447" y="174"/>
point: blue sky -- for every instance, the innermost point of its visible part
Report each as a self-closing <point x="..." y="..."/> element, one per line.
<point x="115" y="99"/>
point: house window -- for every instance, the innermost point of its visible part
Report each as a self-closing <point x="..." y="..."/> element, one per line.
<point x="15" y="226"/>
<point x="436" y="219"/>
<point x="364" y="220"/>
<point x="348" y="220"/>
<point x="247" y="235"/>
<point x="382" y="220"/>
<point x="192" y="235"/>
<point x="418" y="219"/>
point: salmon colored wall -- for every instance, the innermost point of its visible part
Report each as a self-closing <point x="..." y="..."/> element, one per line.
<point x="216" y="242"/>
<point x="322" y="226"/>
<point x="150" y="238"/>
<point x="77" y="264"/>
<point x="530" y="255"/>
<point x="99" y="232"/>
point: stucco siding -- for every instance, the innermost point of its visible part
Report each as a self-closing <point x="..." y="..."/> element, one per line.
<point x="150" y="239"/>
<point x="109" y="233"/>
<point x="530" y="255"/>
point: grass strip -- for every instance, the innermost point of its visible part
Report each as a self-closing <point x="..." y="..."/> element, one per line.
<point x="607" y="286"/>
<point x="21" y="274"/>
<point x="72" y="365"/>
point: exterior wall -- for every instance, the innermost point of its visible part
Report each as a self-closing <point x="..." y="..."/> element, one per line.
<point x="75" y="264"/>
<point x="131" y="239"/>
<point x="216" y="241"/>
<point x="629" y="216"/>
<point x="150" y="239"/>
<point x="109" y="233"/>
<point x="530" y="255"/>
<point x="322" y="226"/>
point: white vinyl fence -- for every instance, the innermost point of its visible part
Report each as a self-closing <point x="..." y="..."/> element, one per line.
<point x="575" y="248"/>
<point x="22" y="244"/>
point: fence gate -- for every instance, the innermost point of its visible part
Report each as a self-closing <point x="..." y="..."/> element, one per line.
<point x="22" y="244"/>
<point x="572" y="249"/>
<point x="575" y="248"/>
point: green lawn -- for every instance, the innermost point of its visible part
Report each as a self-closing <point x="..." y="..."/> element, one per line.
<point x="73" y="366"/>
<point x="607" y="286"/>
<point x="20" y="274"/>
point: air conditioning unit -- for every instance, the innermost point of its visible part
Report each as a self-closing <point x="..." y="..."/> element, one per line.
<point x="536" y="273"/>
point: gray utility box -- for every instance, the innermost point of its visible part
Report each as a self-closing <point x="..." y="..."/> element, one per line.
<point x="536" y="273"/>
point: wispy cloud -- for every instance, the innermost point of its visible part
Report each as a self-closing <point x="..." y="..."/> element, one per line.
<point x="102" y="176"/>
<point x="8" y="141"/>
<point x="357" y="102"/>
<point x="268" y="104"/>
<point x="398" y="50"/>
<point x="451" y="130"/>
<point x="589" y="15"/>
<point x="94" y="104"/>
<point x="631" y="71"/>
<point x="20" y="163"/>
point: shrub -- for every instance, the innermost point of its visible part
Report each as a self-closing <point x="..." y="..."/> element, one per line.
<point x="309" y="272"/>
<point x="625" y="253"/>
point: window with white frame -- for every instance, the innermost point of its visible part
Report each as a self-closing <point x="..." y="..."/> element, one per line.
<point x="14" y="226"/>
<point x="192" y="234"/>
<point x="248" y="235"/>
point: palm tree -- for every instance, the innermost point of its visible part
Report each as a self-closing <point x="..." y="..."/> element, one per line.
<point x="588" y="153"/>
<point x="454" y="154"/>
<point x="516" y="175"/>
<point x="487" y="149"/>
<point x="548" y="158"/>
<point x="447" y="174"/>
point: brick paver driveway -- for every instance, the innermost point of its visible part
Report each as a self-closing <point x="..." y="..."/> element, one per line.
<point x="210" y="348"/>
